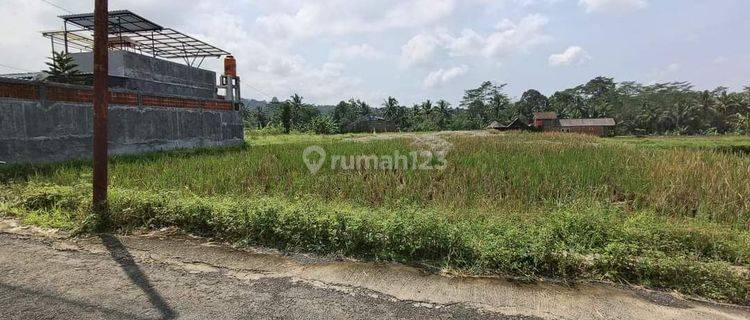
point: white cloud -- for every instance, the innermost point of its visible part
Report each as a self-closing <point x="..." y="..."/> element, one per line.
<point x="510" y="4"/>
<point x="574" y="55"/>
<point x="328" y="50"/>
<point x="276" y="72"/>
<point x="419" y="49"/>
<point x="267" y="68"/>
<point x="674" y="67"/>
<point x="416" y="12"/>
<point x="512" y="37"/>
<point x="343" y="17"/>
<point x="467" y="44"/>
<point x="613" y="5"/>
<point x="282" y="65"/>
<point x="668" y="73"/>
<point x="23" y="47"/>
<point x="507" y="38"/>
<point x="355" y="51"/>
<point x="442" y="76"/>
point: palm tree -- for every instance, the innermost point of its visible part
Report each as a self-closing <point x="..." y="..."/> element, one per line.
<point x="443" y="112"/>
<point x="681" y="116"/>
<point x="286" y="116"/>
<point x="295" y="109"/>
<point x="648" y="118"/>
<point x="391" y="111"/>
<point x="443" y="107"/>
<point x="427" y="107"/>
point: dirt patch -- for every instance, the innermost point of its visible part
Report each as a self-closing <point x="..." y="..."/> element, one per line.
<point x="429" y="141"/>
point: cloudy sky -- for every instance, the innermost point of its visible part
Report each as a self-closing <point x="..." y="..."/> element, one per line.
<point x="329" y="50"/>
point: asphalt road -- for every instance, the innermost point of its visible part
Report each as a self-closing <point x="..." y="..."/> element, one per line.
<point x="41" y="281"/>
<point x="167" y="275"/>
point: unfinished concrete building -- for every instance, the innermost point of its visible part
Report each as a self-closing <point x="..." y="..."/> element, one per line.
<point x="155" y="103"/>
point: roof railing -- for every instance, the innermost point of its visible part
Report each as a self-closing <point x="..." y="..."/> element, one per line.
<point x="130" y="31"/>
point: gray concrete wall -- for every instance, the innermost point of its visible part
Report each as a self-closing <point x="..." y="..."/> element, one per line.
<point x="36" y="133"/>
<point x="162" y="88"/>
<point x="152" y="75"/>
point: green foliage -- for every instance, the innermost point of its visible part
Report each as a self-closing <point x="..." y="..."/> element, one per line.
<point x="485" y="104"/>
<point x="323" y="125"/>
<point x="581" y="241"/>
<point x="61" y="64"/>
<point x="271" y="129"/>
<point x="286" y="115"/>
<point x="254" y="116"/>
<point x="349" y="115"/>
<point x="531" y="101"/>
<point x="672" y="108"/>
<point x="594" y="99"/>
<point x="292" y="114"/>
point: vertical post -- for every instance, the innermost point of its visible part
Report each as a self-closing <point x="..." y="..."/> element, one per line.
<point x="238" y="95"/>
<point x="153" y="44"/>
<point x="65" y="34"/>
<point x="101" y="106"/>
<point x="119" y="31"/>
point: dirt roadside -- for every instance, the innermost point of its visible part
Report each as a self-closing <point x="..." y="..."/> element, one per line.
<point x="46" y="275"/>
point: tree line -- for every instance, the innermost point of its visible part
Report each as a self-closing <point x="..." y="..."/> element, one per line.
<point x="638" y="109"/>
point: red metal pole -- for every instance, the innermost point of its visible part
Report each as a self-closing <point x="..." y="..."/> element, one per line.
<point x="101" y="106"/>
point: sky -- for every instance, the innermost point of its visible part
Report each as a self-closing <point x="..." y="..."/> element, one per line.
<point x="333" y="50"/>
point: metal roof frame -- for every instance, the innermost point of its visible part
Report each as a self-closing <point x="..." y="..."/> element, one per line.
<point x="120" y="21"/>
<point x="594" y="122"/>
<point x="146" y="36"/>
<point x="76" y="39"/>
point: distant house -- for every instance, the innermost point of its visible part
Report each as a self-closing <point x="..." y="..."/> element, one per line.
<point x="372" y="124"/>
<point x="495" y="125"/>
<point x="599" y="126"/>
<point x="516" y="124"/>
<point x="545" y="119"/>
<point x="548" y="122"/>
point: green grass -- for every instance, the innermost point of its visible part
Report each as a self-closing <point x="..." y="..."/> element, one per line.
<point x="483" y="174"/>
<point x="737" y="144"/>
<point x="522" y="205"/>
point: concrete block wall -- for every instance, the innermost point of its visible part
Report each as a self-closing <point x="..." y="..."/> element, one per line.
<point x="132" y="71"/>
<point x="153" y="87"/>
<point x="53" y="124"/>
<point x="48" y="91"/>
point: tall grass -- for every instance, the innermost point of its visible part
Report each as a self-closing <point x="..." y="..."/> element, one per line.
<point x="581" y="241"/>
<point x="526" y="205"/>
<point x="517" y="172"/>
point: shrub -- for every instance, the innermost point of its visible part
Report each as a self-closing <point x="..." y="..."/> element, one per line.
<point x="323" y="124"/>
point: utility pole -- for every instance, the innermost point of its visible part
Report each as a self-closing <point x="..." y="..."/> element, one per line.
<point x="101" y="106"/>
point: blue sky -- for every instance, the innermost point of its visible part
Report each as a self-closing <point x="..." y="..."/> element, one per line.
<point x="414" y="50"/>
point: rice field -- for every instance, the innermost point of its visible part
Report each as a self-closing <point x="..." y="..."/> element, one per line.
<point x="667" y="213"/>
<point x="484" y="174"/>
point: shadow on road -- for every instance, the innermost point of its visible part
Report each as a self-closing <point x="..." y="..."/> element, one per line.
<point x="120" y="254"/>
<point x="46" y="298"/>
